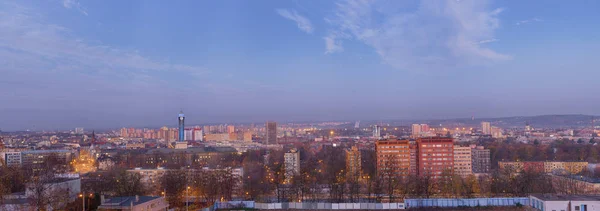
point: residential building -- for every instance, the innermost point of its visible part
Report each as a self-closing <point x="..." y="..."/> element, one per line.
<point x="496" y="132"/>
<point x="416" y="130"/>
<point x="353" y="163"/>
<point x="230" y="129"/>
<point x="393" y="157"/>
<point x="548" y="202"/>
<point x="486" y="128"/>
<point x="291" y="164"/>
<point x="435" y="156"/>
<point x="12" y="158"/>
<point x="480" y="159"/>
<point x="197" y="133"/>
<point x="549" y="167"/>
<point x="420" y="130"/>
<point x="462" y="161"/>
<point x="271" y="129"/>
<point x="134" y="203"/>
<point x="78" y="130"/>
<point x="248" y="136"/>
<point x="36" y="159"/>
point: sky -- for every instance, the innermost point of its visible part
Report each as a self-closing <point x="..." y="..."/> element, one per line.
<point x="111" y="64"/>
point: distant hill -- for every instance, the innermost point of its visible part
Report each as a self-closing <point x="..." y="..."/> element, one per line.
<point x="544" y="121"/>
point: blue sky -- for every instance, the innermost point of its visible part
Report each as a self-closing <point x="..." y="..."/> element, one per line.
<point x="105" y="64"/>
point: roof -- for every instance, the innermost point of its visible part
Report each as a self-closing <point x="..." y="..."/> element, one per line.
<point x="127" y="200"/>
<point x="192" y="150"/>
<point x="46" y="151"/>
<point x="552" y="197"/>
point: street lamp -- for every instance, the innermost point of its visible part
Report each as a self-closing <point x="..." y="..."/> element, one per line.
<point x="187" y="199"/>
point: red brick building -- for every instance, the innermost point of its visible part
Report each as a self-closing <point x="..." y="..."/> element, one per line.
<point x="434" y="156"/>
<point x="393" y="157"/>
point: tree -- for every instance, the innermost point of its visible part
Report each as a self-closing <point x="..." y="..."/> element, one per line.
<point x="128" y="184"/>
<point x="174" y="183"/>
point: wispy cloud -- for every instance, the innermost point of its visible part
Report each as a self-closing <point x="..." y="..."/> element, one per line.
<point x="332" y="44"/>
<point x="31" y="46"/>
<point x="488" y="41"/>
<point x="302" y="22"/>
<point x="436" y="35"/>
<point x="528" y="21"/>
<point x="74" y="4"/>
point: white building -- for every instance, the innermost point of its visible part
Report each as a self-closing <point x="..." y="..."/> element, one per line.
<point x="291" y="161"/>
<point x="486" y="128"/>
<point x="12" y="158"/>
<point x="548" y="202"/>
<point x="198" y="136"/>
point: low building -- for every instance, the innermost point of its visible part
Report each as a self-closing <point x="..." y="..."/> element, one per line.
<point x="548" y="202"/>
<point x="545" y="167"/>
<point x="134" y="203"/>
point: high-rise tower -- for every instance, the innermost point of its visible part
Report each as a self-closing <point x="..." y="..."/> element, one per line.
<point x="181" y="119"/>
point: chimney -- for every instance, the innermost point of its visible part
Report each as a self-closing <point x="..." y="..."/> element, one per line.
<point x="137" y="198"/>
<point x="101" y="199"/>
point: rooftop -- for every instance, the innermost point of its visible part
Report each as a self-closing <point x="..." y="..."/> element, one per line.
<point x="127" y="200"/>
<point x="552" y="197"/>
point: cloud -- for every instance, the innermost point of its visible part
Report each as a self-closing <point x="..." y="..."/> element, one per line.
<point x="74" y="4"/>
<point x="528" y="21"/>
<point x="433" y="35"/>
<point x="332" y="44"/>
<point x="303" y="22"/>
<point x="488" y="41"/>
<point x="52" y="57"/>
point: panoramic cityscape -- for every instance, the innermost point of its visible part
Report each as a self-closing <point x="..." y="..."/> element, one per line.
<point x="299" y="105"/>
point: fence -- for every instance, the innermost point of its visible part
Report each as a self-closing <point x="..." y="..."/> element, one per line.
<point x="408" y="203"/>
<point x="466" y="202"/>
<point x="309" y="206"/>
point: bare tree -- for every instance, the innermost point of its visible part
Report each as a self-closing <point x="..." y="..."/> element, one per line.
<point x="174" y="183"/>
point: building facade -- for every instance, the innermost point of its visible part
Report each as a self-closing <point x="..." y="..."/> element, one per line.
<point x="486" y="128"/>
<point x="435" y="156"/>
<point x="481" y="159"/>
<point x="271" y="129"/>
<point x="393" y="157"/>
<point x="291" y="164"/>
<point x="353" y="163"/>
<point x="462" y="161"/>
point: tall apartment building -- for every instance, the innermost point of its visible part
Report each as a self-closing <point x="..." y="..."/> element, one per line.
<point x="271" y="128"/>
<point x="462" y="161"/>
<point x="291" y="162"/>
<point x="435" y="156"/>
<point x="413" y="158"/>
<point x="419" y="130"/>
<point x="230" y="129"/>
<point x="480" y="159"/>
<point x="486" y="128"/>
<point x="353" y="163"/>
<point x="393" y="157"/>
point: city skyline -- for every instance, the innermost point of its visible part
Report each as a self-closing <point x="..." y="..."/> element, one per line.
<point x="114" y="64"/>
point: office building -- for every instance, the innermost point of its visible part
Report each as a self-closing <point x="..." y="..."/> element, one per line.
<point x="462" y="161"/>
<point x="353" y="163"/>
<point x="393" y="157"/>
<point x="271" y="129"/>
<point x="486" y="128"/>
<point x="435" y="156"/>
<point x="480" y="159"/>
<point x="78" y="130"/>
<point x="181" y="119"/>
<point x="291" y="162"/>
<point x="36" y="159"/>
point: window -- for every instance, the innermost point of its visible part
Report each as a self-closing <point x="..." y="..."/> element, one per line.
<point x="576" y="208"/>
